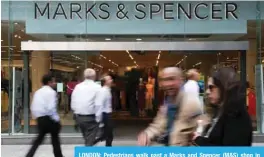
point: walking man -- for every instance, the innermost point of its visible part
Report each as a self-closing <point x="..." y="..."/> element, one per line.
<point x="44" y="109"/>
<point x="87" y="112"/>
<point x="105" y="99"/>
<point x="192" y="86"/>
<point x="176" y="119"/>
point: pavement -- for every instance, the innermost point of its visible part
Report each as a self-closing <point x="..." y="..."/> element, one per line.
<point x="68" y="150"/>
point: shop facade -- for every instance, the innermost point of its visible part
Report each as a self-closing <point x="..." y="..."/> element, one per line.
<point x="34" y="31"/>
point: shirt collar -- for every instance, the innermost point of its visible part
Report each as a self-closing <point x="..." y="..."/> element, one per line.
<point x="48" y="87"/>
<point x="106" y="87"/>
<point x="87" y="80"/>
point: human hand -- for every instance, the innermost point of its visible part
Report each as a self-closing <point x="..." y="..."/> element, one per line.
<point x="101" y="125"/>
<point x="195" y="135"/>
<point x="143" y="139"/>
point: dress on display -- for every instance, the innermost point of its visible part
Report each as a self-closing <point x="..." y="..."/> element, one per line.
<point x="149" y="94"/>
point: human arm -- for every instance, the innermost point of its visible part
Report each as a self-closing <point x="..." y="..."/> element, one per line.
<point x="237" y="131"/>
<point x="52" y="105"/>
<point x="33" y="107"/>
<point x="73" y="98"/>
<point x="156" y="128"/>
<point x="99" y="104"/>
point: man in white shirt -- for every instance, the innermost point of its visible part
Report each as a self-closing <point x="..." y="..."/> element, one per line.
<point x="87" y="112"/>
<point x="191" y="86"/>
<point x="105" y="99"/>
<point x="44" y="109"/>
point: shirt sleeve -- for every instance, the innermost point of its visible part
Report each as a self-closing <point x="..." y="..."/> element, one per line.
<point x="73" y="98"/>
<point x="33" y="106"/>
<point x="99" y="104"/>
<point x="52" y="105"/>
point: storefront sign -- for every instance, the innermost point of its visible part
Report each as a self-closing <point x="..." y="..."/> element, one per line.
<point x="136" y="11"/>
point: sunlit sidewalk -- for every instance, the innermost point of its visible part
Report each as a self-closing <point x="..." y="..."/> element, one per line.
<point x="46" y="150"/>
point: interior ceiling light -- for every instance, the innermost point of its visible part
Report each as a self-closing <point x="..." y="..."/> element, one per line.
<point x="184" y="57"/>
<point x="100" y="66"/>
<point x="157" y="61"/>
<point x="138" y="39"/>
<point x="8" y="46"/>
<point x="199" y="63"/>
<point x="131" y="57"/>
<point x="107" y="39"/>
<point x="76" y="57"/>
<point x="16" y="23"/>
<point x="102" y="56"/>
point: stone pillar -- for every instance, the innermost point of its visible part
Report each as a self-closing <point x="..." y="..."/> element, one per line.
<point x="251" y="62"/>
<point x="40" y="61"/>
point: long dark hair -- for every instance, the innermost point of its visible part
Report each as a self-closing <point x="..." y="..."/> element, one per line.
<point x="232" y="92"/>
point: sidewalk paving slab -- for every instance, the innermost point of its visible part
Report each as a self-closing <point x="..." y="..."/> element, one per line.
<point x="68" y="150"/>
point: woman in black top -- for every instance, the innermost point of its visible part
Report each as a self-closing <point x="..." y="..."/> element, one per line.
<point x="231" y="125"/>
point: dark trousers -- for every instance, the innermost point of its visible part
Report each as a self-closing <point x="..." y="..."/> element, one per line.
<point x="47" y="125"/>
<point x="69" y="102"/>
<point x="108" y="129"/>
<point x="89" y="128"/>
<point x="107" y="134"/>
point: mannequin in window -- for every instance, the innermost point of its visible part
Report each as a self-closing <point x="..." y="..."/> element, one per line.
<point x="149" y="93"/>
<point x="141" y="97"/>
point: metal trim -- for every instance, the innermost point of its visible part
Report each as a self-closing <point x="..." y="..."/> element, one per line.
<point x="134" y="46"/>
<point x="13" y="100"/>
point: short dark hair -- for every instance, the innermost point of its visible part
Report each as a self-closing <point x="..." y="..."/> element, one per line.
<point x="47" y="78"/>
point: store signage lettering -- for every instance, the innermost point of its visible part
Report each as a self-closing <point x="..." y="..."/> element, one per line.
<point x="140" y="11"/>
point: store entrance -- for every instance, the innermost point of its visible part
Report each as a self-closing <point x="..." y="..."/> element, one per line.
<point x="135" y="67"/>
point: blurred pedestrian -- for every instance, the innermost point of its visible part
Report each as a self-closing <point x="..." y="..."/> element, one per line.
<point x="231" y="125"/>
<point x="176" y="119"/>
<point x="87" y="113"/>
<point x="105" y="99"/>
<point x="44" y="108"/>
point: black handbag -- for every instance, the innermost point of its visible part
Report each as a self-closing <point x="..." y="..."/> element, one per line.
<point x="163" y="139"/>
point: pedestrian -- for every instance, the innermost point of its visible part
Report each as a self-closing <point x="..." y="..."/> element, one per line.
<point x="231" y="124"/>
<point x="192" y="86"/>
<point x="176" y="120"/>
<point x="192" y="82"/>
<point x="44" y="109"/>
<point x="87" y="113"/>
<point x="70" y="87"/>
<point x="105" y="99"/>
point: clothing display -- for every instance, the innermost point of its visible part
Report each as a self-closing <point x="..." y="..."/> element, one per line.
<point x="149" y="93"/>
